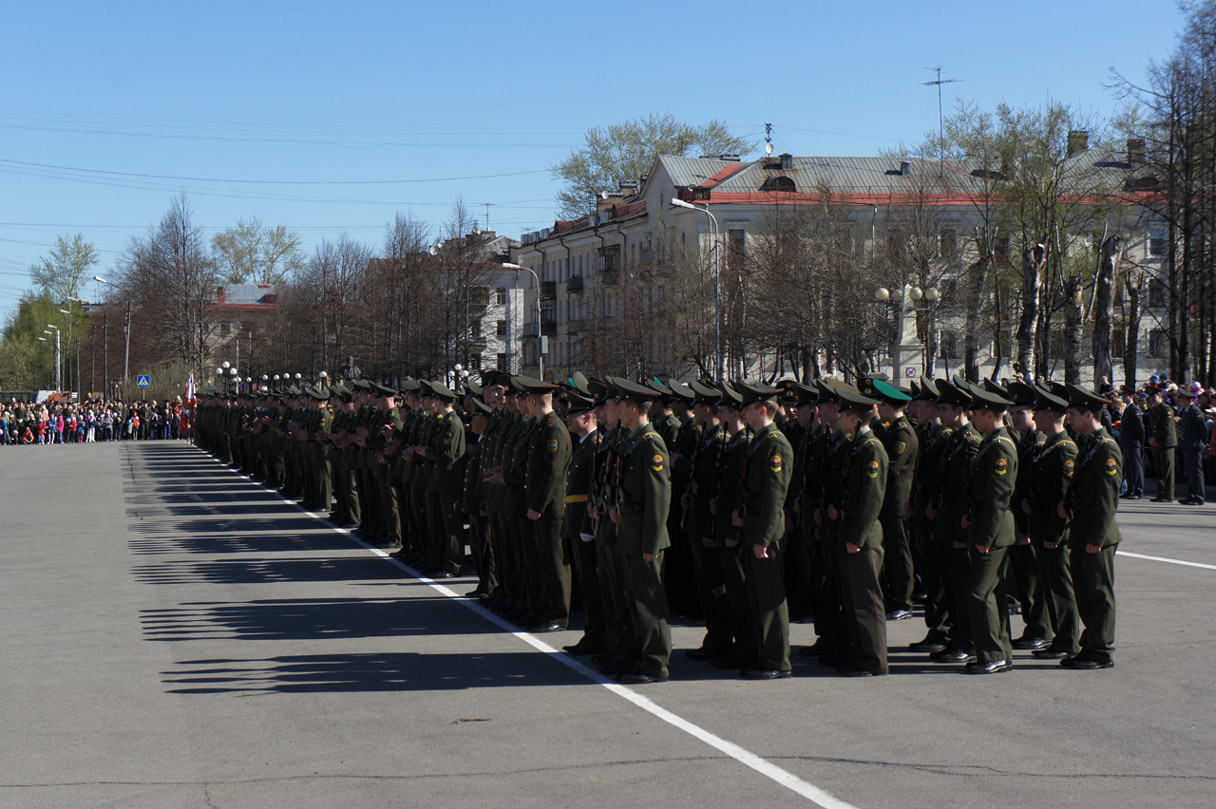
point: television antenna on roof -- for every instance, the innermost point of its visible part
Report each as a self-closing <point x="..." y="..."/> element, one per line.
<point x="941" y="141"/>
<point x="768" y="139"/>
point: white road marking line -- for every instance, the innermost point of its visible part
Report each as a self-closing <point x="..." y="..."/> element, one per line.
<point x="1164" y="559"/>
<point x="785" y="778"/>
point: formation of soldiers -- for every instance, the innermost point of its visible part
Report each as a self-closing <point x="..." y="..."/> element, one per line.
<point x="743" y="503"/>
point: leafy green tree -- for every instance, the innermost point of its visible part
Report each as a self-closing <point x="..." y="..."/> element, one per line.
<point x="625" y="151"/>
<point x="60" y="273"/>
<point x="253" y="254"/>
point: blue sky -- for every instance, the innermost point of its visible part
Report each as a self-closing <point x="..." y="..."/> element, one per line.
<point x="331" y="118"/>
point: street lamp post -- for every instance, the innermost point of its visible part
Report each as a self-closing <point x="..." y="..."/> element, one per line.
<point x="126" y="330"/>
<point x="907" y="351"/>
<point x="57" y="383"/>
<point x="540" y="337"/>
<point x="715" y="234"/>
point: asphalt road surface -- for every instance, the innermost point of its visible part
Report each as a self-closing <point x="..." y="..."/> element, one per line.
<point x="173" y="635"/>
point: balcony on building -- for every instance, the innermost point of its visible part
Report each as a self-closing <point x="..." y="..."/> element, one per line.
<point x="575" y="284"/>
<point x="548" y="289"/>
<point x="576" y="326"/>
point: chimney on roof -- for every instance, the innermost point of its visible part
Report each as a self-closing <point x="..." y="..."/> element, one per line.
<point x="606" y="200"/>
<point x="731" y="158"/>
<point x="1136" y="153"/>
<point x="1078" y="141"/>
<point x="905" y="168"/>
<point x="627" y="188"/>
<point x="219" y="296"/>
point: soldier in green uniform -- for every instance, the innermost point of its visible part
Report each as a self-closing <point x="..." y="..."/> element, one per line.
<point x="902" y="447"/>
<point x="445" y="454"/>
<point x="1163" y="438"/>
<point x="859" y="534"/>
<point x="988" y="522"/>
<point x="1094" y="535"/>
<point x="545" y="488"/>
<point x="640" y="513"/>
<point x="1053" y="464"/>
<point x="761" y="516"/>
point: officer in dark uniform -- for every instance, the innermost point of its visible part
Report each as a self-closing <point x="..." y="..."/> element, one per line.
<point x="577" y="530"/>
<point x="1131" y="439"/>
<point x="1192" y="444"/>
<point x="951" y="504"/>
<point x="1024" y="567"/>
<point x="902" y="447"/>
<point x="761" y="516"/>
<point x="704" y="480"/>
<point x="1094" y="535"/>
<point x="929" y="559"/>
<point x="640" y="513"/>
<point x="859" y="535"/>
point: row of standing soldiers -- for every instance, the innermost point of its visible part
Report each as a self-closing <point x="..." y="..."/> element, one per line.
<point x="742" y="503"/>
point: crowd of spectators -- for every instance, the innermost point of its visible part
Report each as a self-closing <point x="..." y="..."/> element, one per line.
<point x="86" y="422"/>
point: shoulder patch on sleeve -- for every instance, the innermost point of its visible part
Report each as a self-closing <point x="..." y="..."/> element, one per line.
<point x="657" y="462"/>
<point x="900" y="446"/>
<point x="775" y="462"/>
<point x="1069" y="464"/>
<point x="1112" y="466"/>
<point x="1001" y="466"/>
<point x="872" y="469"/>
<point x="552" y="445"/>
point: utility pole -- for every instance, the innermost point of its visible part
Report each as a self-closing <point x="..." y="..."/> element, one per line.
<point x="941" y="141"/>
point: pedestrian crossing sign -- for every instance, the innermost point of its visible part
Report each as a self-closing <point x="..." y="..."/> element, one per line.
<point x="143" y="381"/>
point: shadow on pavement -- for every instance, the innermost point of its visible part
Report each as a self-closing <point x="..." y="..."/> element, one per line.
<point x="268" y="540"/>
<point x="396" y="671"/>
<point x="308" y="619"/>
<point x="266" y="570"/>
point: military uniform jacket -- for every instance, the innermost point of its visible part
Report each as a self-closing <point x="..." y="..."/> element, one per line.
<point x="1093" y="497"/>
<point x="770" y="460"/>
<point x="1027" y="444"/>
<point x="865" y="475"/>
<point x="730" y="484"/>
<point x="548" y="461"/>
<point x="703" y="486"/>
<point x="953" y="495"/>
<point x="1052" y="466"/>
<point x="1193" y="431"/>
<point x="994" y="473"/>
<point x="603" y="485"/>
<point x="902" y="446"/>
<point x="643" y="493"/>
<point x="446" y="451"/>
<point x="578" y="485"/>
<point x="1161" y="426"/>
<point x="687" y="439"/>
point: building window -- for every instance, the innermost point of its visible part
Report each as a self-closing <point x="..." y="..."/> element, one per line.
<point x="949" y="245"/>
<point x="736" y="248"/>
<point x="1156" y="343"/>
<point x="474" y="362"/>
<point x="949" y="342"/>
<point x="500" y="296"/>
<point x="1156" y="294"/>
<point x="1156" y="242"/>
<point x="500" y="329"/>
<point x="504" y="362"/>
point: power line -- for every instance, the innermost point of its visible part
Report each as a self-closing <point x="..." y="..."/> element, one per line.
<point x="270" y="182"/>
